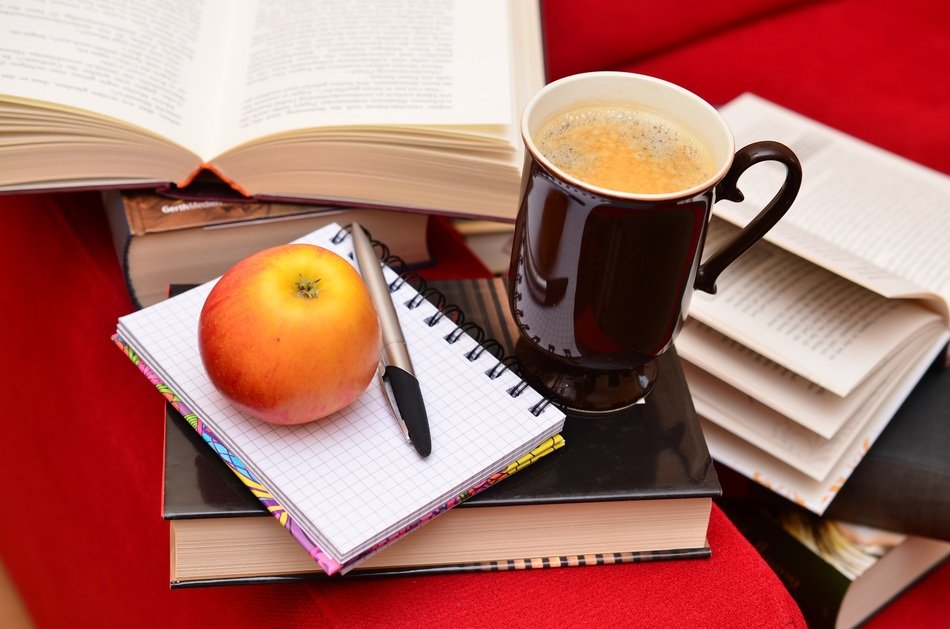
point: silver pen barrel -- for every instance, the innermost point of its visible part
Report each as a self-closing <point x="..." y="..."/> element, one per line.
<point x="394" y="344"/>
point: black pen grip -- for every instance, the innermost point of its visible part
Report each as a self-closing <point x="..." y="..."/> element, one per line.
<point x="412" y="409"/>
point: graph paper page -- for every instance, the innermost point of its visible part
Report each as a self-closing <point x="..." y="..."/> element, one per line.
<point x="351" y="479"/>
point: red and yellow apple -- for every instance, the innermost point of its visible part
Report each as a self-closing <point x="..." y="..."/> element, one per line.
<point x="289" y="334"/>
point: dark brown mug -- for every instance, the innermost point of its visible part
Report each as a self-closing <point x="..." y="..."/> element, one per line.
<point x="600" y="280"/>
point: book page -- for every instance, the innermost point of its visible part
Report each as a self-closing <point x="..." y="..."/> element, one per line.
<point x="813" y="407"/>
<point x="876" y="218"/>
<point x="787" y="440"/>
<point x="137" y="61"/>
<point x="788" y="481"/>
<point x="805" y="318"/>
<point x="361" y="62"/>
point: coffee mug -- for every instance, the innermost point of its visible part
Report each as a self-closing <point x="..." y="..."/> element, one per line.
<point x="621" y="173"/>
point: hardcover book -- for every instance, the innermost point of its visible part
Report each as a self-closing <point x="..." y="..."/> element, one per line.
<point x="347" y="486"/>
<point x="903" y="484"/>
<point x="818" y="333"/>
<point x="839" y="573"/>
<point x="155" y="237"/>
<point x="337" y="102"/>
<point x="632" y="486"/>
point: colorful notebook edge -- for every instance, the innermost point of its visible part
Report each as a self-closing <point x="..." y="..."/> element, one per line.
<point x="328" y="564"/>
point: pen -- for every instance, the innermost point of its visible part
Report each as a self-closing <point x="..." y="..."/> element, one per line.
<point x="397" y="376"/>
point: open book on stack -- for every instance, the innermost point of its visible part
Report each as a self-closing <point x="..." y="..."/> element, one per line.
<point x="816" y="337"/>
<point x="405" y="105"/>
<point x="631" y="486"/>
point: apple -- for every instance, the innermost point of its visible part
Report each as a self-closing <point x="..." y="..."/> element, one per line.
<point x="289" y="334"/>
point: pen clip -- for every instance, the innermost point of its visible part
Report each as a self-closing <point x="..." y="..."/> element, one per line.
<point x="388" y="391"/>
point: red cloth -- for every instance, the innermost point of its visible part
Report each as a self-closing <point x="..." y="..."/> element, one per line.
<point x="871" y="68"/>
<point x="82" y="535"/>
<point x="452" y="259"/>
<point x="605" y="35"/>
<point x="81" y="431"/>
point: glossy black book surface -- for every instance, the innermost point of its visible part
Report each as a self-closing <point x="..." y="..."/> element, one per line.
<point x="652" y="450"/>
<point x="645" y="452"/>
<point x="903" y="483"/>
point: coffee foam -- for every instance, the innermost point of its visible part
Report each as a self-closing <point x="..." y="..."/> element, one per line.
<point x="625" y="149"/>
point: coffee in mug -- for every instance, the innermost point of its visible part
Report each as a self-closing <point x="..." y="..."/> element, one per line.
<point x="621" y="173"/>
<point x="625" y="149"/>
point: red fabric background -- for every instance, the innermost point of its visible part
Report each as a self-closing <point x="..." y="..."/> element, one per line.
<point x="873" y="68"/>
<point x="603" y="34"/>
<point x="81" y="431"/>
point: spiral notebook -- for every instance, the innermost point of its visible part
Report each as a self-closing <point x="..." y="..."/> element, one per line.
<point x="348" y="485"/>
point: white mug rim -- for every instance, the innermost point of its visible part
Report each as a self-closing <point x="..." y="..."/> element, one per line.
<point x="690" y="192"/>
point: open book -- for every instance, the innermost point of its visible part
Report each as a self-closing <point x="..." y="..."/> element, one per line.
<point x="839" y="573"/>
<point x="409" y="105"/>
<point x="816" y="337"/>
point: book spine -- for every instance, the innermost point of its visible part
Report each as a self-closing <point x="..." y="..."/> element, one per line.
<point x="534" y="563"/>
<point x="148" y="212"/>
<point x="120" y="226"/>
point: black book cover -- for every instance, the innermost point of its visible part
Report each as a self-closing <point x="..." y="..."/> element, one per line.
<point x="903" y="483"/>
<point x="652" y="450"/>
<point x="642" y="453"/>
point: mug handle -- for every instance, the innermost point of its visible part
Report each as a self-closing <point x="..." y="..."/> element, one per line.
<point x="764" y="221"/>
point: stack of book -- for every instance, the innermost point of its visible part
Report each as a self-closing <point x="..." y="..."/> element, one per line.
<point x="162" y="241"/>
<point x="346" y="487"/>
<point x="819" y="369"/>
<point x="817" y="336"/>
<point x="632" y="486"/>
<point x="900" y="491"/>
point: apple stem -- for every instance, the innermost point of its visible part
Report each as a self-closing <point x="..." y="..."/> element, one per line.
<point x="307" y="289"/>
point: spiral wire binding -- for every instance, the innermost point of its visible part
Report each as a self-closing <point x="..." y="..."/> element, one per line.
<point x="491" y="346"/>
<point x="505" y="364"/>
<point x="450" y="311"/>
<point x="453" y="312"/>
